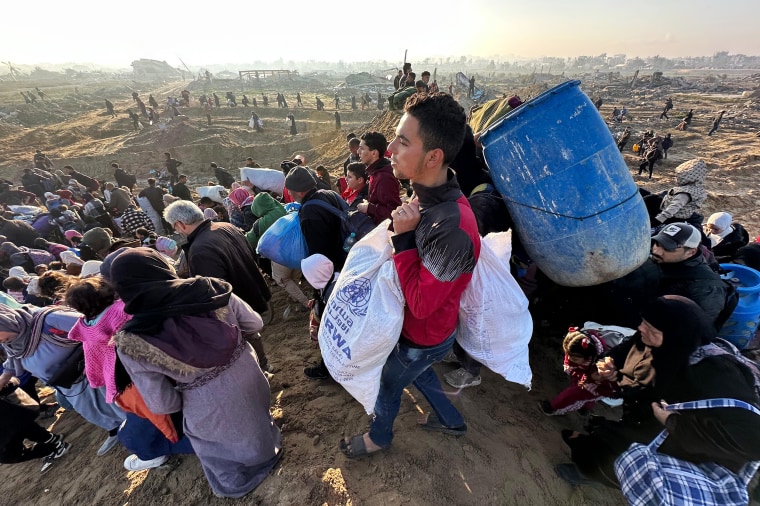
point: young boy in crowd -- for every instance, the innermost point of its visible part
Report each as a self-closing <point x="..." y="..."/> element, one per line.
<point x="356" y="181"/>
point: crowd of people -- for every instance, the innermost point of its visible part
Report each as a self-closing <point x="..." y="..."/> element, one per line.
<point x="165" y="293"/>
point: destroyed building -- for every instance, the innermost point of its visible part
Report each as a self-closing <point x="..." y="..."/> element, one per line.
<point x="154" y="70"/>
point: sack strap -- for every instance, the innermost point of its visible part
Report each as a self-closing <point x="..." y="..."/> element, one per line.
<point x="705" y="404"/>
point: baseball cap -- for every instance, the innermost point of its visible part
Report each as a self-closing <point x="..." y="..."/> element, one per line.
<point x="676" y="235"/>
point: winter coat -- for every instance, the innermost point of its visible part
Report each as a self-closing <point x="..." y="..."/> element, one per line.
<point x="383" y="191"/>
<point x="268" y="210"/>
<point x="219" y="250"/>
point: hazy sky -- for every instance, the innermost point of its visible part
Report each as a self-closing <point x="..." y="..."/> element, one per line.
<point x="115" y="34"/>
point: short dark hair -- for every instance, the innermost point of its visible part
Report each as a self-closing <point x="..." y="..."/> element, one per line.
<point x="182" y="176"/>
<point x="420" y="84"/>
<point x="441" y="122"/>
<point x="142" y="231"/>
<point x="151" y="181"/>
<point x="350" y="136"/>
<point x="168" y="154"/>
<point x="358" y="169"/>
<point x="206" y="201"/>
<point x="375" y="141"/>
<point x="425" y="73"/>
<point x="13" y="283"/>
<point x="354" y="141"/>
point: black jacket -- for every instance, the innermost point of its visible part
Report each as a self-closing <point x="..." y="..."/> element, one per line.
<point x="726" y="248"/>
<point x="182" y="191"/>
<point x="321" y="228"/>
<point x="220" y="250"/>
<point x="728" y="436"/>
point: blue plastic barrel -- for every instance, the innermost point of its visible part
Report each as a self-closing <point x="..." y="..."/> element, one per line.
<point x="741" y="326"/>
<point x="568" y="189"/>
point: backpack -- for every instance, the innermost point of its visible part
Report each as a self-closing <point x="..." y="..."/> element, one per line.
<point x="353" y="222"/>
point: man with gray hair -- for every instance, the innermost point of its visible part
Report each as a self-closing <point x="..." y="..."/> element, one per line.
<point x="220" y="250"/>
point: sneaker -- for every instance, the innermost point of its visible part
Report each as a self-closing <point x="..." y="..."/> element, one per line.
<point x="107" y="445"/>
<point x="135" y="463"/>
<point x="317" y="371"/>
<point x="60" y="450"/>
<point x="461" y="378"/>
<point x="54" y="439"/>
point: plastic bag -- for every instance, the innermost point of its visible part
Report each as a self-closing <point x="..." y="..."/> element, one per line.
<point x="362" y="320"/>
<point x="495" y="326"/>
<point x="216" y="193"/>
<point x="267" y="179"/>
<point x="284" y="243"/>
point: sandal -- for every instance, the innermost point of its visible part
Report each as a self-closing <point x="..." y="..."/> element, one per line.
<point x="433" y="424"/>
<point x="354" y="447"/>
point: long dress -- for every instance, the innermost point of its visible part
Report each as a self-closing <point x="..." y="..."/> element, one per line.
<point x="226" y="409"/>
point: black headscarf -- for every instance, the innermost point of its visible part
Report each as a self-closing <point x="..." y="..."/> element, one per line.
<point x="684" y="326"/>
<point x="175" y="315"/>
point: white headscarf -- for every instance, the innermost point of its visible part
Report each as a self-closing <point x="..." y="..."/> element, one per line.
<point x="721" y="221"/>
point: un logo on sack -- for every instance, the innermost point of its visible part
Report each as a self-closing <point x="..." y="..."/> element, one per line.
<point x="356" y="296"/>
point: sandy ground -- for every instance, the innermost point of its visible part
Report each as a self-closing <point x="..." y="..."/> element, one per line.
<point x="508" y="454"/>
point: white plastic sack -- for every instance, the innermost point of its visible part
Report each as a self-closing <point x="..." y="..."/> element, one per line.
<point x="267" y="179"/>
<point x="26" y="210"/>
<point x="494" y="323"/>
<point x="362" y="320"/>
<point x="612" y="334"/>
<point x="216" y="193"/>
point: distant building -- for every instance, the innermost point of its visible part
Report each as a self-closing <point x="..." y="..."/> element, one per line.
<point x="153" y="70"/>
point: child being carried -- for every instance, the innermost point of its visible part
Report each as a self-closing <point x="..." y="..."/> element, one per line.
<point x="583" y="358"/>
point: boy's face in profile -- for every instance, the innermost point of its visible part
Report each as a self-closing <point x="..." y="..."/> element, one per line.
<point x="353" y="182"/>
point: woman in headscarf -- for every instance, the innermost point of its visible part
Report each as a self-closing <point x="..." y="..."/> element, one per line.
<point x="150" y="437"/>
<point x="35" y="340"/>
<point x="672" y="359"/>
<point x="243" y="200"/>
<point x="725" y="235"/>
<point x="184" y="351"/>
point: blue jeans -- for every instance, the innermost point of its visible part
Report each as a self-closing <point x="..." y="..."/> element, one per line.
<point x="407" y="365"/>
<point x="142" y="438"/>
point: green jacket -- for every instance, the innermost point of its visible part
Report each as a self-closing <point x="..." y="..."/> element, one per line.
<point x="268" y="210"/>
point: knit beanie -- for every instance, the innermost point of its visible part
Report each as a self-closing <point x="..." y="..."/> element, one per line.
<point x="97" y="238"/>
<point x="300" y="179"/>
<point x="317" y="269"/>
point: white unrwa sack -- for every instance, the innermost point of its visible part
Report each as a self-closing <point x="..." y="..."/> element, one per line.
<point x="267" y="179"/>
<point x="362" y="320"/>
<point x="494" y="323"/>
<point x="216" y="193"/>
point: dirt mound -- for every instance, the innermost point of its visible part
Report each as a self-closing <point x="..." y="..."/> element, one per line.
<point x="510" y="450"/>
